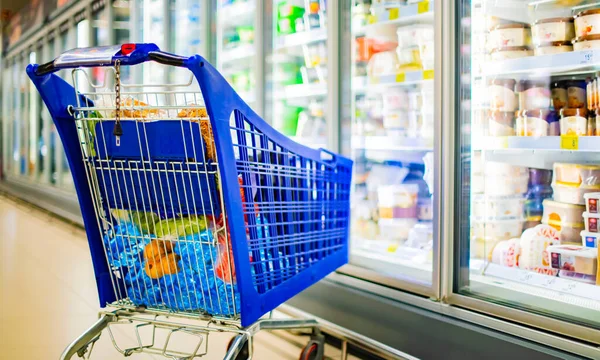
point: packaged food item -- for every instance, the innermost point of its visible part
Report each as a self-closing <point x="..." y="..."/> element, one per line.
<point x="534" y="209"/>
<point x="425" y="209"/>
<point x="397" y="119"/>
<point x="511" y="34"/>
<point x="534" y="94"/>
<point x="511" y="52"/>
<point x="532" y="122"/>
<point x="502" y="94"/>
<point x="501" y="123"/>
<point x="540" y="176"/>
<point x="553" y="29"/>
<point x="572" y="194"/>
<point x="409" y="59"/>
<point x="586" y="42"/>
<point x="597" y="122"/>
<point x="574" y="258"/>
<point x="561" y="212"/>
<point x="558" y="91"/>
<point x="383" y="63"/>
<point x="576" y="93"/>
<point x="551" y="48"/>
<point x="507" y="253"/>
<point x="572" y="275"/>
<point x="477" y="184"/>
<point x="133" y="108"/>
<point x="505" y="185"/>
<point x="587" y="22"/>
<point x="591" y="125"/>
<point x="499" y="229"/>
<point x="395" y="98"/>
<point x="534" y="244"/>
<point x="493" y="168"/>
<point x="498" y="207"/>
<point x="591" y="222"/>
<point x="420" y="236"/>
<point x="532" y="222"/>
<point x="590" y="239"/>
<point x="591" y="202"/>
<point x="569" y="232"/>
<point x="414" y="35"/>
<point x="398" y="201"/>
<point x="577" y="175"/>
<point x="553" y="123"/>
<point x="482" y="248"/>
<point x="573" y="122"/>
<point x="395" y="229"/>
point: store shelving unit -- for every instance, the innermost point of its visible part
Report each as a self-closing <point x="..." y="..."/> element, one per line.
<point x="398" y="15"/>
<point x="575" y="62"/>
<point x="300" y="38"/>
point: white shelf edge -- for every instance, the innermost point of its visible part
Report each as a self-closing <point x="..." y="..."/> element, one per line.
<point x="237" y="53"/>
<point x="555" y="64"/>
<point x="301" y="38"/>
<point x="407" y="14"/>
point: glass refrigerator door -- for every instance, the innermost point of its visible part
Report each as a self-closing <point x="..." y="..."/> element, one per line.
<point x="299" y="70"/>
<point x="392" y="137"/>
<point x="529" y="171"/>
<point x="235" y="45"/>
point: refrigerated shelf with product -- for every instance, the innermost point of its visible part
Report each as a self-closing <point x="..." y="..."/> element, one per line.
<point x="531" y="159"/>
<point x="392" y="140"/>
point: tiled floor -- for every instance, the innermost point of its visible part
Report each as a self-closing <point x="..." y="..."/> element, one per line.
<point x="48" y="295"/>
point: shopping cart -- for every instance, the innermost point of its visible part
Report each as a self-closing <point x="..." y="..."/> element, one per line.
<point x="194" y="206"/>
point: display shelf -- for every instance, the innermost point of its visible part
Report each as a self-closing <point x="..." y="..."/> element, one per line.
<point x="237" y="13"/>
<point x="359" y="84"/>
<point x="300" y="38"/>
<point x="402" y="78"/>
<point x="541" y="152"/>
<point x="240" y="52"/>
<point x="398" y="15"/>
<point x="389" y="143"/>
<point x="302" y="91"/>
<point x="573" y="62"/>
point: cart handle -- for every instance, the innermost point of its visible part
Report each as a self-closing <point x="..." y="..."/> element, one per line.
<point x="127" y="54"/>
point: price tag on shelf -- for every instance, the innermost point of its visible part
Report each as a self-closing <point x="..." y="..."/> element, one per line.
<point x="423" y="7"/>
<point x="587" y="57"/>
<point x="372" y="19"/>
<point x="394" y="13"/>
<point x="569" y="142"/>
<point x="374" y="80"/>
<point x="392" y="248"/>
<point x="428" y="75"/>
<point x="400" y="77"/>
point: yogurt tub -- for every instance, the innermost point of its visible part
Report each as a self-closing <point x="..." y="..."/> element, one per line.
<point x="568" y="232"/>
<point x="498" y="207"/>
<point x="502" y="94"/>
<point x="592" y="200"/>
<point x="499" y="229"/>
<point x="534" y="94"/>
<point x="561" y="212"/>
<point x="573" y="122"/>
<point x="532" y="123"/>
<point x="574" y="258"/>
<point x="586" y="42"/>
<point x="511" y="34"/>
<point x="510" y="52"/>
<point x="577" y="174"/>
<point x="572" y="194"/>
<point x="501" y="123"/>
<point x="576" y="96"/>
<point x="551" y="48"/>
<point x="506" y="185"/>
<point x="591" y="222"/>
<point x="589" y="239"/>
<point x="553" y="29"/>
<point x="558" y="90"/>
<point x="587" y="22"/>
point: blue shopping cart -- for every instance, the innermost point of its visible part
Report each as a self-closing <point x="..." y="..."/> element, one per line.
<point x="194" y="206"/>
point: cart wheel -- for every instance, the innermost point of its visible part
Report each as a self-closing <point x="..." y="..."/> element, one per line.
<point x="244" y="354"/>
<point x="312" y="351"/>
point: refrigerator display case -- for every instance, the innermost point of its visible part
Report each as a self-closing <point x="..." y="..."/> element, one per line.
<point x="239" y="47"/>
<point x="392" y="130"/>
<point x="529" y="171"/>
<point x="299" y="63"/>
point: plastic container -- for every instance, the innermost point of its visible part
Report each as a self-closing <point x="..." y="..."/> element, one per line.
<point x="499" y="229"/>
<point x="512" y="52"/>
<point x="409" y="58"/>
<point x="505" y="185"/>
<point x="507" y="253"/>
<point x="395" y="229"/>
<point x="576" y="96"/>
<point x="503" y="169"/>
<point x="563" y="213"/>
<point x="482" y="248"/>
<point x="427" y="54"/>
<point x="502" y="94"/>
<point x="551" y="48"/>
<point x="414" y="35"/>
<point x="577" y="174"/>
<point x="534" y="243"/>
<point x="553" y="123"/>
<point x="540" y="177"/>
<point x="558" y="90"/>
<point x="573" y="122"/>
<point x="591" y="222"/>
<point x="511" y="34"/>
<point x="532" y="122"/>
<point x="587" y="22"/>
<point x="569" y="232"/>
<point x="553" y="29"/>
<point x="383" y="63"/>
<point x="425" y="209"/>
<point x="395" y="98"/>
<point x="586" y="42"/>
<point x="574" y="258"/>
<point x="477" y="184"/>
<point x="592" y="200"/>
<point x="501" y="123"/>
<point x="498" y="207"/>
<point x="571" y="275"/>
<point x="403" y="196"/>
<point x="534" y="94"/>
<point x="590" y="239"/>
<point x="572" y="194"/>
<point x="397" y="119"/>
<point x="420" y="236"/>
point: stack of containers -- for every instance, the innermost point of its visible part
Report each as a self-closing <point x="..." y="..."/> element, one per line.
<point x="498" y="204"/>
<point x="535" y="118"/>
<point x="566" y="212"/>
<point x="398" y="210"/>
<point x="539" y="189"/>
<point x="415" y="47"/>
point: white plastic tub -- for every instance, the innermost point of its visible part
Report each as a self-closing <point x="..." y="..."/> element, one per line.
<point x="497" y="229"/>
<point x="589" y="239"/>
<point x="592" y="200"/>
<point x="591" y="222"/>
<point x="506" y="185"/>
<point x="572" y="194"/>
<point x="577" y="174"/>
<point x="574" y="258"/>
<point x="395" y="229"/>
<point x="498" y="207"/>
<point x="569" y="233"/>
<point x="562" y="212"/>
<point x="552" y="30"/>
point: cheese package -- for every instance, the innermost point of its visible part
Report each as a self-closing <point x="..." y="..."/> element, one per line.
<point x="574" y="258"/>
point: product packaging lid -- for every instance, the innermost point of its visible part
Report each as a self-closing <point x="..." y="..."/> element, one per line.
<point x="591" y="195"/>
<point x="587" y="12"/>
<point x="573" y="250"/>
<point x="554" y="20"/>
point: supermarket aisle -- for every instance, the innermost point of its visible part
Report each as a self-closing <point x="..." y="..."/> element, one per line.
<point x="48" y="297"/>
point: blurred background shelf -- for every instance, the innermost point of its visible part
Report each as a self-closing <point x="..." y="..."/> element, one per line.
<point x="300" y="38"/>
